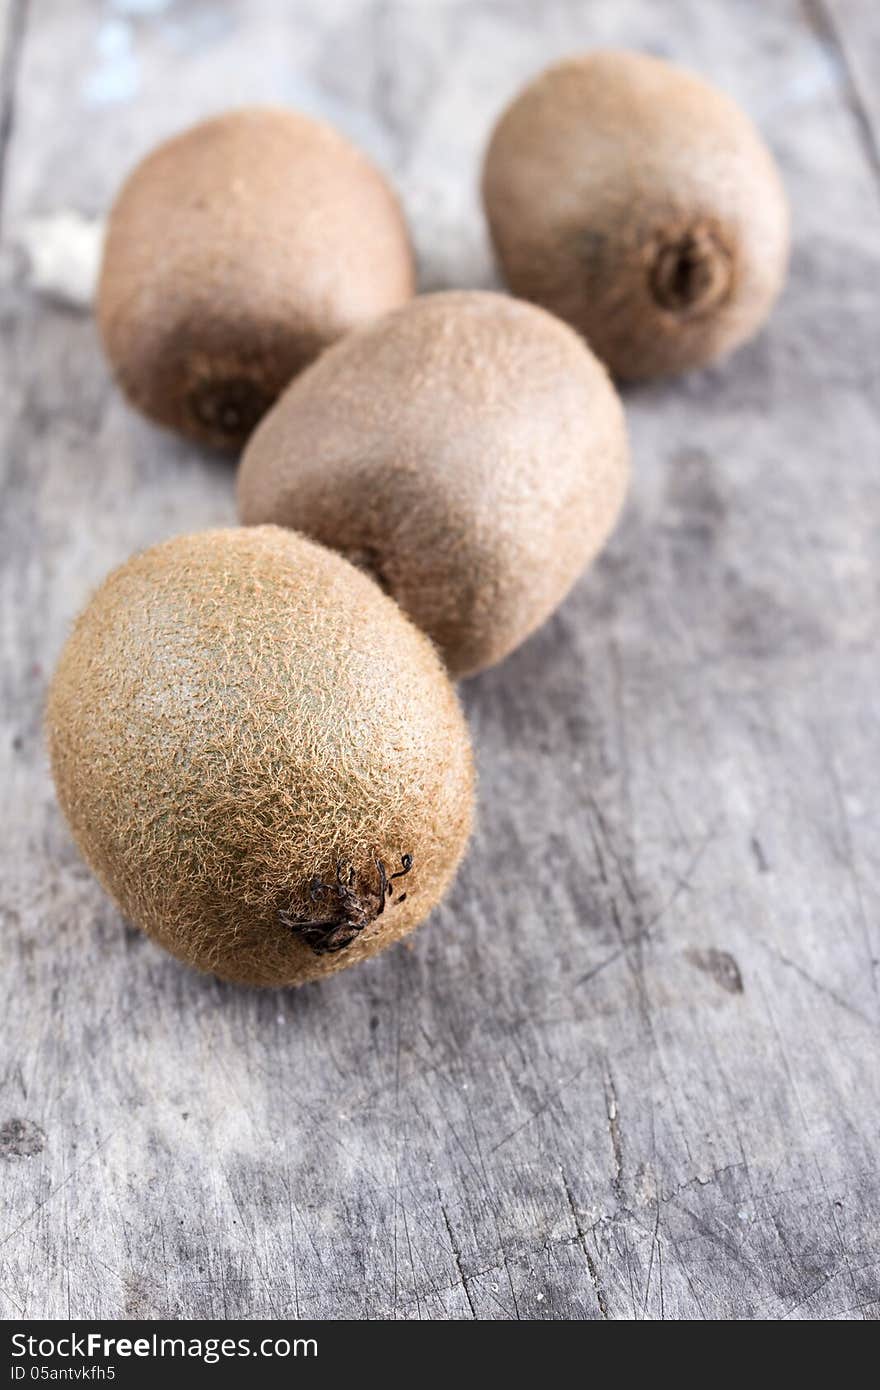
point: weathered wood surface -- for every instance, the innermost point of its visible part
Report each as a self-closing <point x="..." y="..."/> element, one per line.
<point x="631" y="1069"/>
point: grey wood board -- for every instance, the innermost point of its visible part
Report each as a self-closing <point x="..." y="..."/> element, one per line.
<point x="631" y="1067"/>
<point x="851" y="29"/>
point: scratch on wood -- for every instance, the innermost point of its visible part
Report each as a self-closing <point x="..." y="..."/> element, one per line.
<point x="829" y="993"/>
<point x="817" y="1288"/>
<point x="582" y="1239"/>
<point x="655" y="1246"/>
<point x="16" y="1305"/>
<point x="412" y="1263"/>
<point x="851" y="863"/>
<point x="476" y="1278"/>
<point x="597" y="850"/>
<point x="534" y="1114"/>
<point x="492" y="1206"/>
<point x="603" y="965"/>
<point x="803" y="1114"/>
<point x="622" y="868"/>
<point x="840" y="1241"/>
<point x="690" y="1277"/>
<point x="61" y="1186"/>
<point x="684" y="881"/>
<point x="822" y="23"/>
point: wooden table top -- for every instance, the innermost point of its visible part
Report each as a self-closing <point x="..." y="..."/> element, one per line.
<point x="631" y="1067"/>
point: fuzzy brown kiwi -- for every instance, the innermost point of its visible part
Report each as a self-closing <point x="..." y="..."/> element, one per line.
<point x="639" y="204"/>
<point x="235" y="253"/>
<point x="468" y="449"/>
<point x="260" y="757"/>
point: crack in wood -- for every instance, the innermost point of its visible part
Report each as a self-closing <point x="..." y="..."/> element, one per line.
<point x="612" y="1111"/>
<point x="581" y="1237"/>
<point x="456" y="1254"/>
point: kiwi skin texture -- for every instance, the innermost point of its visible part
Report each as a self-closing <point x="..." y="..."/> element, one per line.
<point x="239" y="715"/>
<point x="235" y="252"/>
<point x="641" y="205"/>
<point x="468" y="450"/>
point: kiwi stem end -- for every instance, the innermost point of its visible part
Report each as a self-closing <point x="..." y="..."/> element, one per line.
<point x="355" y="909"/>
<point x="692" y="272"/>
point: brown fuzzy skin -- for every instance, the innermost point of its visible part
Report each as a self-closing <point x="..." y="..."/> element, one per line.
<point x="235" y="253"/>
<point x="640" y="205"/>
<point x="236" y="715"/>
<point x="467" y="449"/>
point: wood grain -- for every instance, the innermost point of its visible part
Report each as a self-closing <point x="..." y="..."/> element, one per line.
<point x="631" y="1068"/>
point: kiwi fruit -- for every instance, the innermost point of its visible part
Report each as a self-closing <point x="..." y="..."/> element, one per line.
<point x="235" y="253"/>
<point x="467" y="450"/>
<point x="260" y="757"/>
<point x="641" y="205"/>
